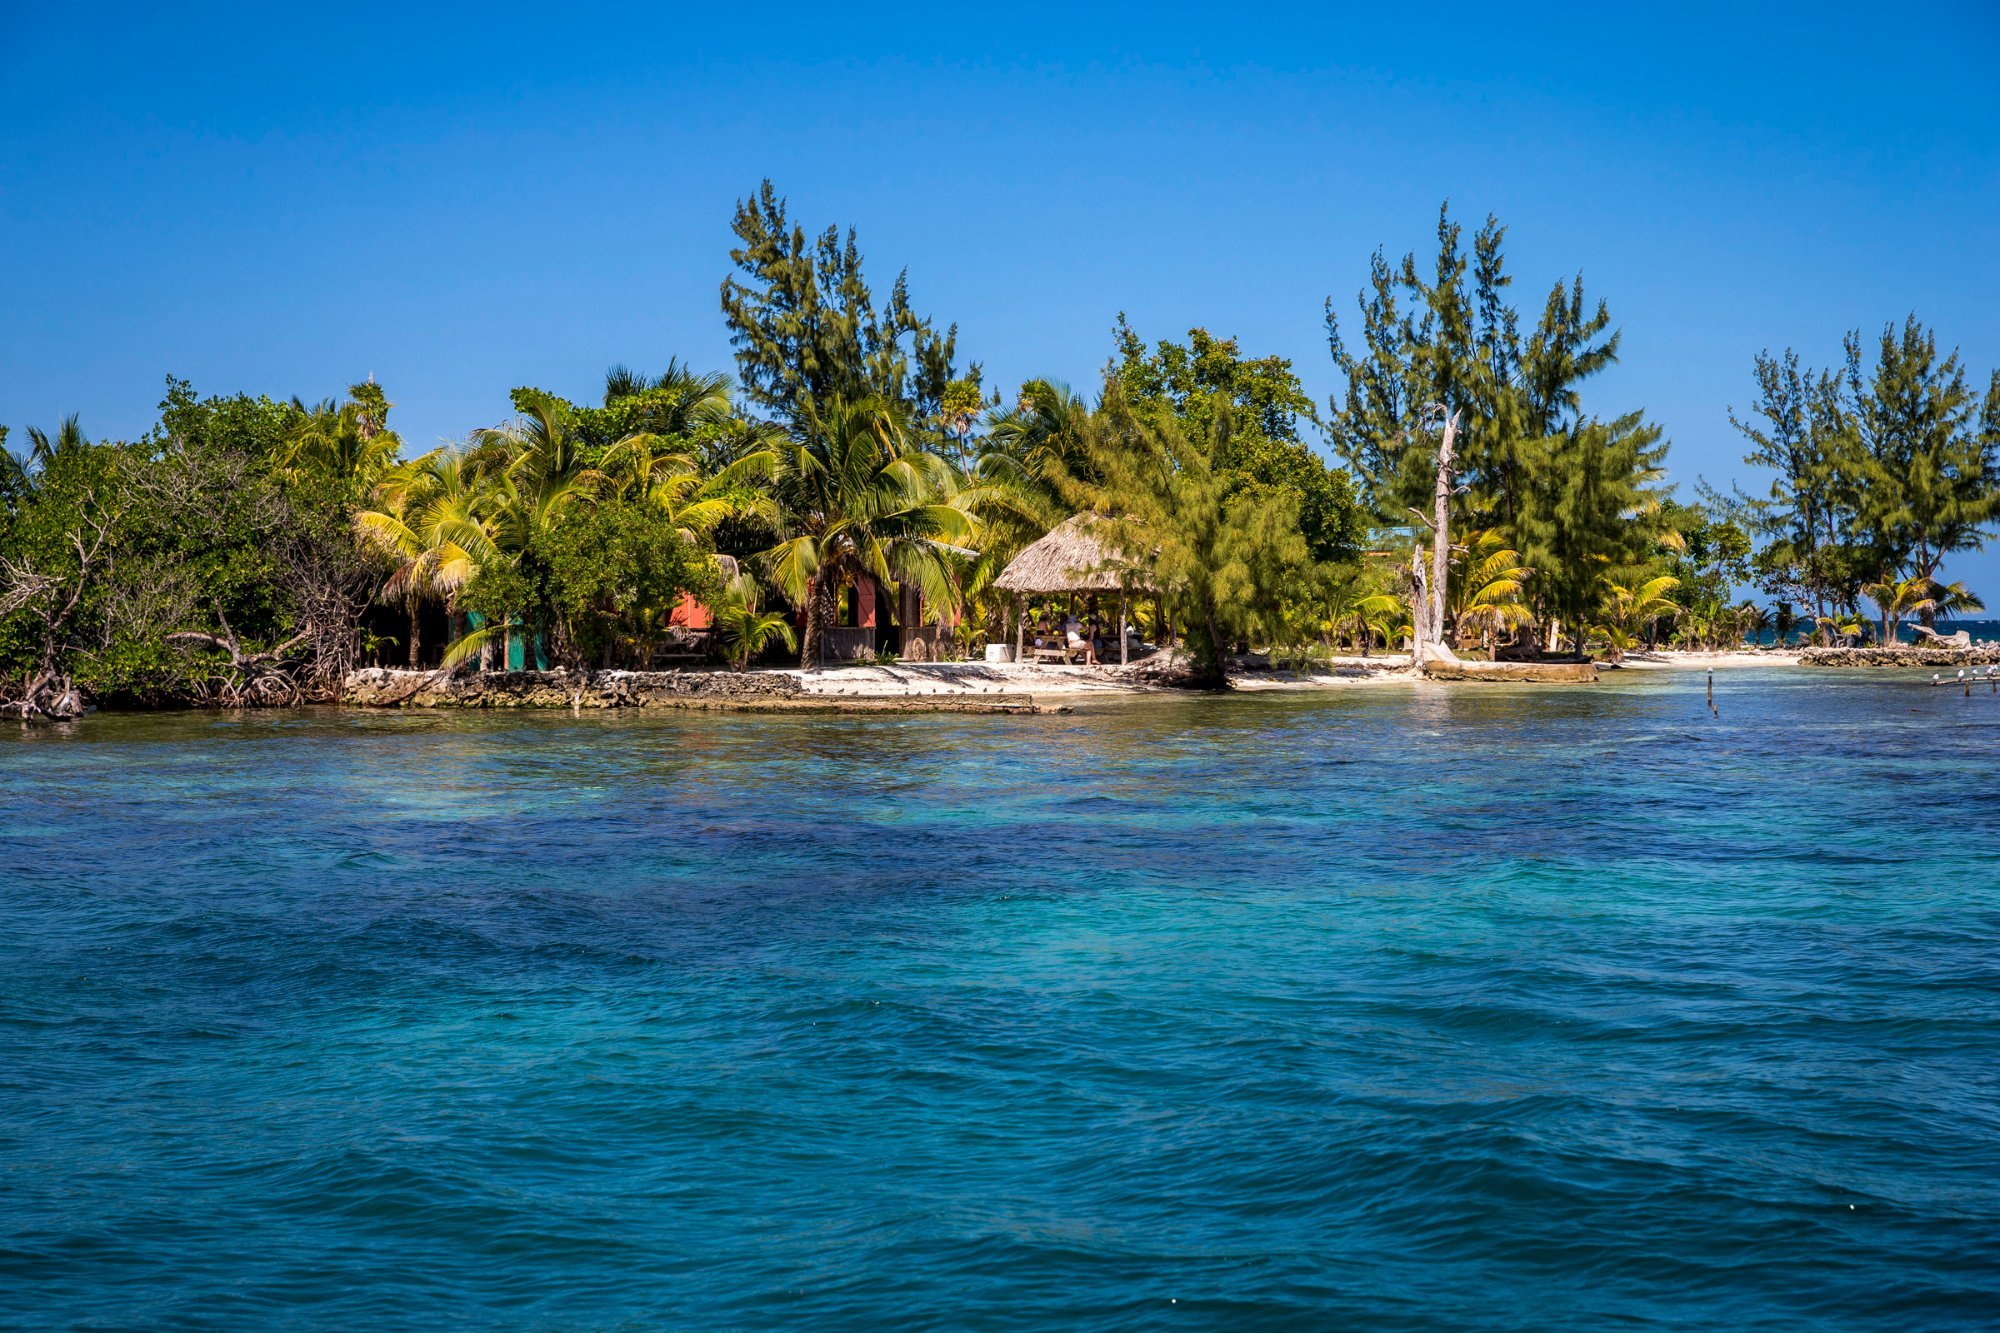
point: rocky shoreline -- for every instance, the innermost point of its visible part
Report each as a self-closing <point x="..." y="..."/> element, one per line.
<point x="1983" y="655"/>
<point x="982" y="688"/>
<point x="710" y="691"/>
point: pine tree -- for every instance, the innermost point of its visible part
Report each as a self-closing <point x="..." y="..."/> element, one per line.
<point x="1589" y="515"/>
<point x="1221" y="564"/>
<point x="1452" y="338"/>
<point x="806" y="330"/>
<point x="1808" y="440"/>
<point x="1260" y="453"/>
<point x="1933" y="479"/>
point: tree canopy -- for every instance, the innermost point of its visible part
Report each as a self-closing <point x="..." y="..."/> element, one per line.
<point x="1245" y="414"/>
<point x="1878" y="469"/>
<point x="807" y="330"/>
<point x="1577" y="495"/>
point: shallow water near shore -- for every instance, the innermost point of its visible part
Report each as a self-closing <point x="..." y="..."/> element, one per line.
<point x="1401" y="1007"/>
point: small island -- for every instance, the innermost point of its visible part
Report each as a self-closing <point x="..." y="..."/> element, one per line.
<point x="858" y="668"/>
<point x="858" y="495"/>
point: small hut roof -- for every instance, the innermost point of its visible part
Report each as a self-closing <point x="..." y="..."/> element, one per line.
<point x="1074" y="557"/>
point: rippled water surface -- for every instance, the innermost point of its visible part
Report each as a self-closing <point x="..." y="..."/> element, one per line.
<point x="1388" y="1008"/>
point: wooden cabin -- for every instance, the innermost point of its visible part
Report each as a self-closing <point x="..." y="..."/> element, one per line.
<point x="868" y="620"/>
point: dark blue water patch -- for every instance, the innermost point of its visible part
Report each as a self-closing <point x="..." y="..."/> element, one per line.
<point x="1394" y="1008"/>
<point x="1979" y="631"/>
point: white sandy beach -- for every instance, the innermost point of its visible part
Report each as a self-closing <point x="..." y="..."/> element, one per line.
<point x="1676" y="660"/>
<point x="922" y="679"/>
<point x="904" y="680"/>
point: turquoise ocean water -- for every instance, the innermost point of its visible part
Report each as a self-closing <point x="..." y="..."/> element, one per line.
<point x="1387" y="1008"/>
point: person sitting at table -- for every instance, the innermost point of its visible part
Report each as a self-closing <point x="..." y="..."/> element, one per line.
<point x="1075" y="638"/>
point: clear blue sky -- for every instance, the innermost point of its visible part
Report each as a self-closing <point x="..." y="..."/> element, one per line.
<point x="282" y="201"/>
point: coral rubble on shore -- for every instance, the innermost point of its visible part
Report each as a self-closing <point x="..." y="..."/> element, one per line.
<point x="721" y="691"/>
<point x="1908" y="656"/>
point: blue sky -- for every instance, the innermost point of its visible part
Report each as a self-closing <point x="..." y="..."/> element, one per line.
<point x="282" y="200"/>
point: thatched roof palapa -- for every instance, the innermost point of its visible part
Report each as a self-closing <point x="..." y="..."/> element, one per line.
<point x="1074" y="557"/>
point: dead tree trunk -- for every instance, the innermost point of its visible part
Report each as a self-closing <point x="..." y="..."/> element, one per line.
<point x="1427" y="619"/>
<point x="1441" y="528"/>
<point x="49" y="696"/>
<point x="249" y="679"/>
<point x="52" y="692"/>
<point x="1420" y="606"/>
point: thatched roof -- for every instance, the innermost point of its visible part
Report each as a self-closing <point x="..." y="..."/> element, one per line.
<point x="1075" y="557"/>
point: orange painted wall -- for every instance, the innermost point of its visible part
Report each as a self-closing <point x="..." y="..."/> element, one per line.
<point x="687" y="611"/>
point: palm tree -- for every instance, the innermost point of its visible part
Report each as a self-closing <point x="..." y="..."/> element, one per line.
<point x="349" y="442"/>
<point x="427" y="507"/>
<point x="1014" y="485"/>
<point x="678" y="402"/>
<point x="523" y="478"/>
<point x="679" y="380"/>
<point x="1751" y="622"/>
<point x="642" y="467"/>
<point x="44" y="450"/>
<point x="19" y="475"/>
<point x="540" y="444"/>
<point x="852" y="497"/>
<point x="1046" y="436"/>
<point x="13" y="472"/>
<point x="1484" y="589"/>
<point x="1897" y="598"/>
<point x="1627" y="609"/>
<point x="1952" y="600"/>
<point x="960" y="406"/>
<point x="389" y="529"/>
<point x="1363" y="615"/>
<point x="621" y="381"/>
<point x="1784" y="620"/>
<point x="1011" y="485"/>
<point x="744" y="630"/>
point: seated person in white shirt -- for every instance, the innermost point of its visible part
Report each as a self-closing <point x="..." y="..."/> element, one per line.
<point x="1075" y="637"/>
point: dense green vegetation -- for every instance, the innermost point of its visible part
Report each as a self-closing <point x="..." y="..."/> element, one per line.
<point x="1879" y="471"/>
<point x="1577" y="496"/>
<point x="247" y="550"/>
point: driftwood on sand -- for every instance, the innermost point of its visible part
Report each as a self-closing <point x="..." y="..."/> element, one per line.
<point x="1543" y="673"/>
<point x="1930" y="638"/>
